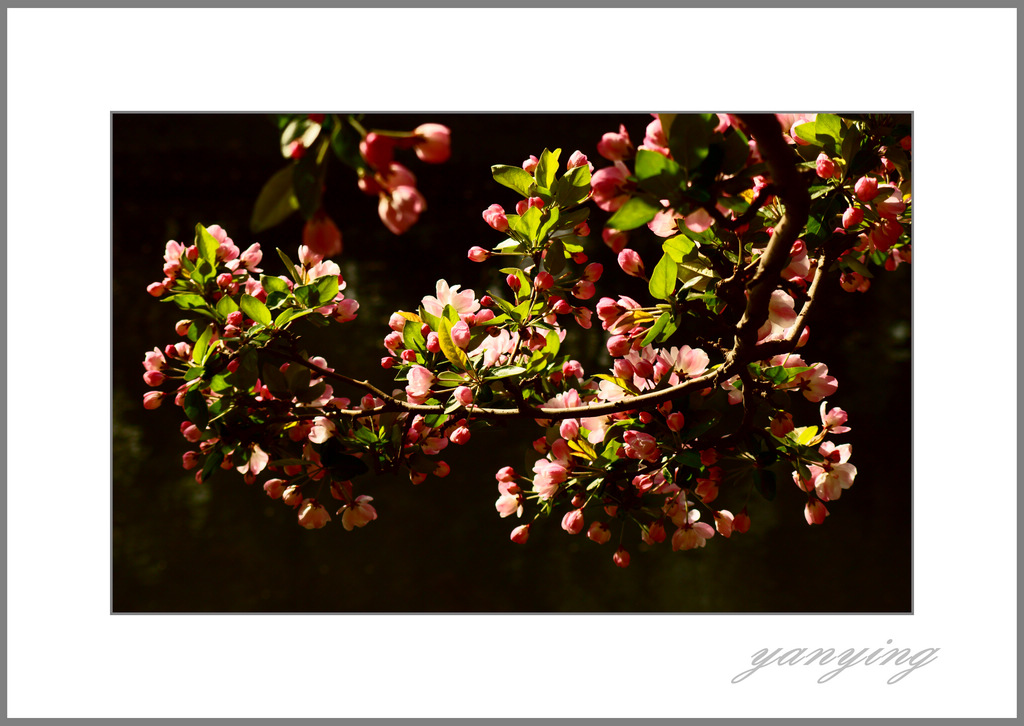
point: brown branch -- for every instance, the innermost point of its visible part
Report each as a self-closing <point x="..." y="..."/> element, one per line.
<point x="791" y="189"/>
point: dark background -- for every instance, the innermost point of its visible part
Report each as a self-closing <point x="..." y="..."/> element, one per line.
<point x="224" y="547"/>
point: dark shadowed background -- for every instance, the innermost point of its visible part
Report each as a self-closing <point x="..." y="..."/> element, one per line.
<point x="226" y="547"/>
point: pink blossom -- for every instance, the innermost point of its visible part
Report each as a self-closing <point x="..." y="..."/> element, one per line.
<point x="322" y="430"/>
<point x="578" y="158"/>
<point x="520" y="534"/>
<point x="510" y="502"/>
<point x="478" y="254"/>
<point x="866" y="188"/>
<point x="358" y="514"/>
<point x="621" y="557"/>
<point x="549" y="475"/>
<point x="615" y="146"/>
<point x="419" y="383"/>
<point x="815" y="511"/>
<point x="692" y="533"/>
<point x="322" y="236"/>
<point x="836" y="473"/>
<point x="313" y="515"/>
<point x="378" y="150"/>
<point x="464" y="302"/>
<point x="655" y="140"/>
<point x="459" y="435"/>
<point x="631" y="263"/>
<point x="834" y="420"/>
<point x="818" y="384"/>
<point x="292" y="496"/>
<point x="573" y="522"/>
<point x="433" y="143"/>
<point x="891" y="206"/>
<point x="494" y="215"/>
<point x="824" y="166"/>
<point x="610" y="187"/>
<point x="615" y="239"/>
<point x="569" y="429"/>
<point x="638" y="445"/>
<point x="393" y="176"/>
<point x="599" y="532"/>
<point x="852" y="217"/>
<point x="400" y="209"/>
<point x="723" y="522"/>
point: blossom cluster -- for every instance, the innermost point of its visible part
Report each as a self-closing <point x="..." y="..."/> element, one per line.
<point x="672" y="433"/>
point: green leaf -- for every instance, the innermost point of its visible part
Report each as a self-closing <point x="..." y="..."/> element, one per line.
<point x="807" y="131"/>
<point x="430" y="319"/>
<point x="199" y="350"/>
<point x="298" y="377"/>
<point x="289" y="314"/>
<point x="504" y="372"/>
<point x="306" y="184"/>
<point x="851" y="143"/>
<point x="735" y="150"/>
<point x="554" y="259"/>
<point x="546" y="168"/>
<point x="255" y="309"/>
<point x="659" y="325"/>
<point x="289" y="266"/>
<point x="857" y="266"/>
<point x="530" y="224"/>
<point x="226" y="305"/>
<point x="207" y="245"/>
<point x="547" y="224"/>
<point x="827" y="128"/>
<point x="413" y="338"/>
<point x="524" y="280"/>
<point x="276" y="201"/>
<point x="657" y="173"/>
<point x="452" y="352"/>
<point x="663" y="278"/>
<point x="274" y="379"/>
<point x="689" y="137"/>
<point x="345" y="145"/>
<point x="326" y="288"/>
<point x="678" y="247"/>
<point x="635" y="212"/>
<point x="194" y="404"/>
<point x="513" y="177"/>
<point x="573" y="187"/>
<point x="273" y="284"/>
<point x="765" y="483"/>
<point x="212" y="463"/>
<point x="189" y="301"/>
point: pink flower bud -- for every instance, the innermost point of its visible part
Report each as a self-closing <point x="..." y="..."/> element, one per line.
<point x="584" y="290"/>
<point x="615" y="146"/>
<point x="464" y="395"/>
<point x="433" y="143"/>
<point x="645" y="417"/>
<point x="442" y="470"/>
<point x="569" y="429"/>
<point x="459" y="435"/>
<point x="433" y="343"/>
<point x="153" y="378"/>
<point x="152" y="399"/>
<point x="544" y="280"/>
<point x="393" y="341"/>
<point x="400" y="209"/>
<point x="506" y="474"/>
<point x="675" y="421"/>
<point x="615" y="239"/>
<point x="815" y="511"/>
<point x="274" y="488"/>
<point x="561" y="307"/>
<point x="494" y="215"/>
<point x="824" y="166"/>
<point x="478" y="254"/>
<point x="513" y="282"/>
<point x="644" y="369"/>
<point x="292" y="496"/>
<point x="461" y="334"/>
<point x="623" y="368"/>
<point x="866" y="188"/>
<point x="618" y="346"/>
<point x="313" y="515"/>
<point x="408" y="356"/>
<point x="520" y="534"/>
<point x="599" y="532"/>
<point x="741" y="522"/>
<point x="322" y="236"/>
<point x="577" y="159"/>
<point x="189" y="460"/>
<point x="905" y="143"/>
<point x="593" y="271"/>
<point x="573" y="522"/>
<point x="631" y="263"/>
<point x="621" y="557"/>
<point x="377" y="150"/>
<point x="530" y="165"/>
<point x="572" y="368"/>
<point x="582" y="317"/>
<point x="525" y="204"/>
<point x="852" y="217"/>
